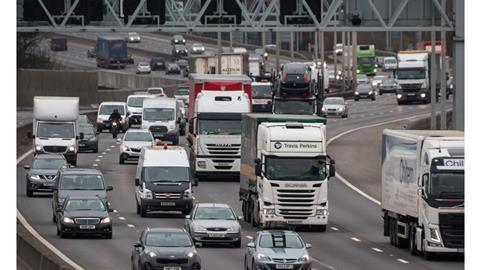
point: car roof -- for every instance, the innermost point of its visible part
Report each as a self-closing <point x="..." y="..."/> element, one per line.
<point x="49" y="156"/>
<point x="275" y="231"/>
<point x="172" y="230"/>
<point x="112" y="103"/>
<point x="335" y="98"/>
<point x="220" y="205"/>
<point x="138" y="131"/>
<point x="80" y="171"/>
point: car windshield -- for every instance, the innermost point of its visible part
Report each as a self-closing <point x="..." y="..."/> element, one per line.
<point x="294" y="107"/>
<point x="55" y="130"/>
<point x="108" y="109"/>
<point x="366" y="60"/>
<point x="446" y="185"/>
<point x="378" y="78"/>
<point x="81" y="182"/>
<point x="86" y="129"/>
<point x="293" y="168"/>
<point x="155" y="91"/>
<point x="158" y="114"/>
<point x="280" y="241"/>
<point x="48" y="163"/>
<point x="390" y="61"/>
<point x="219" y="127"/>
<point x="334" y="101"/>
<point x="388" y="81"/>
<point x="85" y="205"/>
<point x="168" y="239"/>
<point x="222" y="213"/>
<point x="166" y="174"/>
<point x="262" y="91"/>
<point x="182" y="92"/>
<point x="364" y="88"/>
<point x="138" y="136"/>
<point x="136" y="102"/>
<point x="411" y="74"/>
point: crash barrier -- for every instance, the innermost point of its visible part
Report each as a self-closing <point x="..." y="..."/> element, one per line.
<point x="424" y="123"/>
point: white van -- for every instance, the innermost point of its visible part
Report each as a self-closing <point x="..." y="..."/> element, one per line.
<point x="161" y="117"/>
<point x="106" y="109"/>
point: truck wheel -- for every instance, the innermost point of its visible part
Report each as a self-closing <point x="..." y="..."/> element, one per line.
<point x="412" y="243"/>
<point x="391" y="230"/>
<point x="138" y="207"/>
<point x="321" y="228"/>
<point x="255" y="216"/>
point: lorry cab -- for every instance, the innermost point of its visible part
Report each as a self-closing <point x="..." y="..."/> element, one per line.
<point x="161" y="116"/>
<point x="163" y="180"/>
<point x="105" y="109"/>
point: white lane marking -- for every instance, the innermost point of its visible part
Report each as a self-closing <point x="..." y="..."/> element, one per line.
<point x="324" y="264"/>
<point x="249" y="237"/>
<point x="121" y="218"/>
<point x="334" y="228"/>
<point x="345" y="181"/>
<point x="97" y="160"/>
<point x="37" y="235"/>
<point x="112" y="146"/>
<point x="355" y="239"/>
<point x="94" y="164"/>
<point x="377" y="250"/>
<point x="108" y="149"/>
<point x="103" y="153"/>
<point x="402" y="261"/>
<point x="99" y="156"/>
<point x="115" y="210"/>
<point x="130" y="225"/>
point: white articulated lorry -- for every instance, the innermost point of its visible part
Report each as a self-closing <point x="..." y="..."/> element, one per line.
<point x="423" y="190"/>
<point x="55" y="126"/>
<point x="284" y="170"/>
<point x="214" y="133"/>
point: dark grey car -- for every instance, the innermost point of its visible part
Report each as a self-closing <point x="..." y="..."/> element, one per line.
<point x="90" y="139"/>
<point x="387" y="85"/>
<point x="41" y="174"/>
<point x="276" y="249"/>
<point x="214" y="223"/>
<point x="365" y="91"/>
<point x="74" y="182"/>
<point x="165" y="248"/>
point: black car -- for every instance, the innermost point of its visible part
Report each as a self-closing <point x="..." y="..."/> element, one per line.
<point x="173" y="69"/>
<point x="365" y="91"/>
<point x="41" y="174"/>
<point x="157" y="63"/>
<point x="178" y="39"/>
<point x="83" y="216"/>
<point x="295" y="81"/>
<point x="179" y="51"/>
<point x="92" y="52"/>
<point x="74" y="182"/>
<point x="165" y="248"/>
<point x="90" y="139"/>
<point x="58" y="44"/>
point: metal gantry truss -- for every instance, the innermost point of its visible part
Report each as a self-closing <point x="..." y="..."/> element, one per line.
<point x="260" y="16"/>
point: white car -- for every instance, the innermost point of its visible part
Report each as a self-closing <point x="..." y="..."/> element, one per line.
<point x="144" y="67"/>
<point x="335" y="106"/>
<point x="156" y="91"/>
<point x="182" y="93"/>
<point x="362" y="78"/>
<point x="390" y="63"/>
<point x="132" y="143"/>
<point x="377" y="80"/>
<point x="197" y="48"/>
<point x="133" y="37"/>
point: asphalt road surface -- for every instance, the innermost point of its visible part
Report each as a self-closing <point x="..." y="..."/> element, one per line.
<point x="353" y="239"/>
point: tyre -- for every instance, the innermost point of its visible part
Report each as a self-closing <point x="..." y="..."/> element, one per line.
<point x="29" y="191"/>
<point x="108" y="235"/>
<point x="143" y="211"/>
<point x="138" y="207"/>
<point x="95" y="150"/>
<point x="344" y="116"/>
<point x="99" y="130"/>
<point x="121" y="160"/>
<point x="380" y="93"/>
<point x="62" y="234"/>
<point x="196" y="267"/>
<point x="54" y="218"/>
<point x="412" y="243"/>
<point x="400" y="102"/>
<point x="238" y="244"/>
<point x="321" y="228"/>
<point x="255" y="216"/>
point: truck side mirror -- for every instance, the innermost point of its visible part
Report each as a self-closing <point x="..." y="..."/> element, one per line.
<point x="137" y="245"/>
<point x="195" y="182"/>
<point x="27" y="167"/>
<point x="30" y="135"/>
<point x="137" y="182"/>
<point x="331" y="168"/>
<point x="258" y="167"/>
<point x="82" y="136"/>
<point x="109" y="188"/>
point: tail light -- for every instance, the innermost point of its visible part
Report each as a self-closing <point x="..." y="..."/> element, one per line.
<point x="305" y="77"/>
<point x="284" y="77"/>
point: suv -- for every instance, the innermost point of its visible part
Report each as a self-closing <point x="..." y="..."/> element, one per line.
<point x="179" y="51"/>
<point x="83" y="215"/>
<point x="163" y="180"/>
<point x="74" y="182"/>
<point x="295" y="81"/>
<point x="157" y="63"/>
<point x="42" y="173"/>
<point x="106" y="109"/>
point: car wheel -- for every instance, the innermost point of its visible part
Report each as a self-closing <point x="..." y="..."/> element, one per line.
<point x="54" y="218"/>
<point x="380" y="93"/>
<point x="245" y="265"/>
<point x="121" y="160"/>
<point x="62" y="234"/>
<point x="29" y="191"/>
<point x="95" y="150"/>
<point x="108" y="235"/>
<point x="238" y="244"/>
<point x="196" y="266"/>
<point x="138" y="208"/>
<point x="344" y="116"/>
<point x="143" y="211"/>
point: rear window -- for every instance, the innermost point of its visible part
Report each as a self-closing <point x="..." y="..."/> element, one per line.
<point x="295" y="78"/>
<point x="108" y="109"/>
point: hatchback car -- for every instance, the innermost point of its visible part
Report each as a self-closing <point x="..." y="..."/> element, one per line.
<point x="83" y="216"/>
<point x="166" y="249"/>
<point x="197" y="48"/>
<point x="90" y="139"/>
<point x="157" y="63"/>
<point x="41" y="174"/>
<point x="133" y="37"/>
<point x="144" y="67"/>
<point x="388" y="85"/>
<point x="132" y="143"/>
<point x="179" y="51"/>
<point x="277" y="249"/>
<point x="214" y="223"/>
<point x="362" y="79"/>
<point x="173" y="69"/>
<point x="335" y="106"/>
<point x="156" y="91"/>
<point x="178" y="39"/>
<point x="364" y="91"/>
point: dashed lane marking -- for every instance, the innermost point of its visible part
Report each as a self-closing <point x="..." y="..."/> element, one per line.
<point x="377" y="250"/>
<point x="249" y="237"/>
<point x="99" y="156"/>
<point x="97" y="160"/>
<point x="130" y="225"/>
<point x="355" y="239"/>
<point x="95" y="165"/>
<point x="334" y="228"/>
<point x="402" y="261"/>
<point x="121" y="218"/>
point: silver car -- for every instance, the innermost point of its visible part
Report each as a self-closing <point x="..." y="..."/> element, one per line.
<point x="335" y="106"/>
<point x="144" y="67"/>
<point x="132" y="143"/>
<point x="133" y="37"/>
<point x="214" y="223"/>
<point x="197" y="48"/>
<point x="362" y="78"/>
<point x="277" y="249"/>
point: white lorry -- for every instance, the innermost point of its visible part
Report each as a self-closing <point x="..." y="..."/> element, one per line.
<point x="162" y="117"/>
<point x="214" y="133"/>
<point x="55" y="126"/>
<point x="423" y="190"/>
<point x="284" y="170"/>
<point x="413" y="77"/>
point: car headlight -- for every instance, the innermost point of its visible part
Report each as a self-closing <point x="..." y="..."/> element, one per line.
<point x="322" y="212"/>
<point x="356" y="93"/>
<point x="358" y="70"/>
<point x="423" y="95"/>
<point x="125" y="148"/>
<point x="371" y="92"/>
<point x="67" y="220"/>
<point x="399" y="96"/>
<point x="263" y="258"/>
<point x="187" y="194"/>
<point x="176" y="40"/>
<point x="35" y="177"/>
<point x="150" y="253"/>
<point x="202" y="164"/>
<point x="233" y="229"/>
<point x="340" y="109"/>
<point x="304" y="259"/>
<point x="323" y="109"/>
<point x="71" y="148"/>
<point x="199" y="228"/>
<point x="106" y="220"/>
<point x="376" y="66"/>
<point x="177" y="51"/>
<point x="424" y="85"/>
<point x="146" y="194"/>
<point x="38" y="147"/>
<point x="375" y="70"/>
<point x="191" y="254"/>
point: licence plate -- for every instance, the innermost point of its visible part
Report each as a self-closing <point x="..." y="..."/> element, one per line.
<point x="167" y="203"/>
<point x="172" y="268"/>
<point x="81" y="144"/>
<point x="259" y="101"/>
<point x="224" y="164"/>
<point x="410" y="94"/>
<point x="215" y="235"/>
<point x="294" y="221"/>
<point x="284" y="266"/>
<point x="87" y="227"/>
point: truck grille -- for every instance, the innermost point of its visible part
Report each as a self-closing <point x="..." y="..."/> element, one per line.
<point x="224" y="149"/>
<point x="223" y="164"/>
<point x="168" y="195"/>
<point x="159" y="129"/>
<point x="87" y="221"/>
<point x="411" y="87"/>
<point x="452" y="229"/>
<point x="295" y="203"/>
<point x="55" y="149"/>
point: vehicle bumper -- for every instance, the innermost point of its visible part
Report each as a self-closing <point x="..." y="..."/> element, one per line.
<point x="429" y="248"/>
<point x="217" y="166"/>
<point x="333" y="113"/>
<point x="415" y="96"/>
<point x="75" y="229"/>
<point x="40" y="186"/>
<point x="216" y="237"/>
<point x="387" y="90"/>
<point x="167" y="205"/>
<point x="129" y="155"/>
<point x="87" y="145"/>
<point x="272" y="219"/>
<point x="273" y="266"/>
<point x="364" y="96"/>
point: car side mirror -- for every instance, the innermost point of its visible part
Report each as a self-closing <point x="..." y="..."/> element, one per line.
<point x="251" y="245"/>
<point x="109" y="188"/>
<point x="30" y="135"/>
<point x="137" y="182"/>
<point x="137" y="245"/>
<point x="258" y="167"/>
<point x="331" y="169"/>
<point x="239" y="217"/>
<point x="26" y="167"/>
<point x="308" y="246"/>
<point x="82" y="136"/>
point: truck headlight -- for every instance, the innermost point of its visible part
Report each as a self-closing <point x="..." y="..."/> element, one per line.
<point x="399" y="96"/>
<point x="434" y="235"/>
<point x="71" y="148"/>
<point x="304" y="259"/>
<point x="202" y="164"/>
<point x="370" y="92"/>
<point x="146" y="194"/>
<point x="67" y="220"/>
<point x="356" y="92"/>
<point x="268" y="211"/>
<point x="423" y="95"/>
<point x="38" y="147"/>
<point x="322" y="212"/>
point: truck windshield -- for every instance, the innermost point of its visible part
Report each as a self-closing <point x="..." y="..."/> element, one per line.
<point x="294" y="168"/>
<point x="294" y="107"/>
<point x="136" y="102"/>
<point x="411" y="73"/>
<point x="262" y="91"/>
<point x="108" y="109"/>
<point x="158" y="114"/>
<point x="447" y="185"/>
<point x="55" y="130"/>
<point x="166" y="174"/>
<point x="219" y="127"/>
<point x="366" y="60"/>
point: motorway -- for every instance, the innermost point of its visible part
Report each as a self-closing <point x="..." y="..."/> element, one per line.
<point x="353" y="240"/>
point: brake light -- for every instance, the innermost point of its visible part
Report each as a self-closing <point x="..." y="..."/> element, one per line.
<point x="284" y="77"/>
<point x="305" y="77"/>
